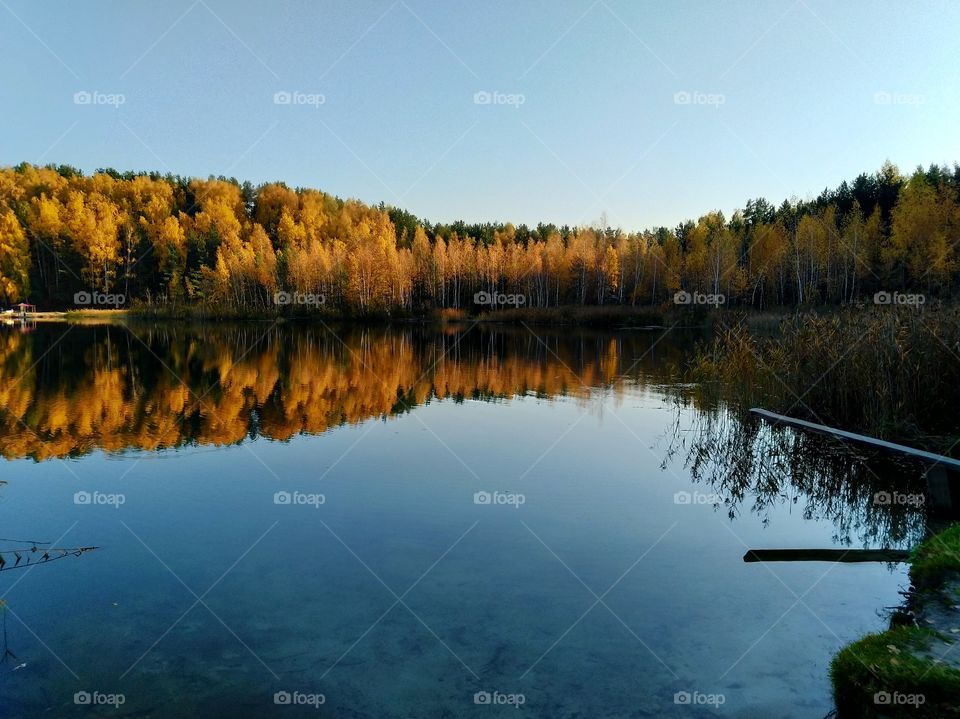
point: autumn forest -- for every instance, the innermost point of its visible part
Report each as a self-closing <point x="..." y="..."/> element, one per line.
<point x="216" y="244"/>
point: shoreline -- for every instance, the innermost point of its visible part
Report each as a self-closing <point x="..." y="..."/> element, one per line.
<point x="911" y="669"/>
<point x="612" y="317"/>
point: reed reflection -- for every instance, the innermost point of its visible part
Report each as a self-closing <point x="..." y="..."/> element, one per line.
<point x="870" y="499"/>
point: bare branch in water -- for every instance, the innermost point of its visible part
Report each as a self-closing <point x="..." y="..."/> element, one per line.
<point x="17" y="556"/>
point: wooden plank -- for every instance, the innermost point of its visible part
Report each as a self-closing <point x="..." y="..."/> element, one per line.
<point x="928" y="457"/>
<point x="826" y="555"/>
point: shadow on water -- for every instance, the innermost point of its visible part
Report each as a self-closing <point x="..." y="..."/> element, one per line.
<point x="870" y="498"/>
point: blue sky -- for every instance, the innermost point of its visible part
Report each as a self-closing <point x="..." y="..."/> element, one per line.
<point x="650" y="112"/>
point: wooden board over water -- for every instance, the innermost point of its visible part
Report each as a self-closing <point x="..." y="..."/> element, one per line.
<point x="928" y="457"/>
<point x="826" y="555"/>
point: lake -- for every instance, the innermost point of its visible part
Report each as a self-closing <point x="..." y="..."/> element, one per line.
<point x="460" y="521"/>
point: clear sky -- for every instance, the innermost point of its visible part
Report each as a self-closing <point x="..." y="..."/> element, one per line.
<point x="782" y="98"/>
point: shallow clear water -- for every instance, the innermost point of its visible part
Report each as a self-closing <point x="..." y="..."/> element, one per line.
<point x="605" y="593"/>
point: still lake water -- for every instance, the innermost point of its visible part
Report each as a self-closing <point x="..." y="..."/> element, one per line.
<point x="393" y="521"/>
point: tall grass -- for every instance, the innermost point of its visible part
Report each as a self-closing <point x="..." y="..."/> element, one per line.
<point x="887" y="372"/>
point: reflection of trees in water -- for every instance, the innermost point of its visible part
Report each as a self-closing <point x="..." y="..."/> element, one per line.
<point x="69" y="390"/>
<point x="755" y="467"/>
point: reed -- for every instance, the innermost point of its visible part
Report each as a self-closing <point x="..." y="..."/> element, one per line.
<point x="886" y="372"/>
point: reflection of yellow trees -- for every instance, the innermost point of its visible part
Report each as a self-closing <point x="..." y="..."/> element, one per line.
<point x="160" y="389"/>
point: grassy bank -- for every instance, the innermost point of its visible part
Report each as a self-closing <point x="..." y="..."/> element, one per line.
<point x="73" y="315"/>
<point x="936" y="561"/>
<point x="910" y="670"/>
<point x="82" y="315"/>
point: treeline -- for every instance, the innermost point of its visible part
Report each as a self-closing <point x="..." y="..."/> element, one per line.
<point x="174" y="242"/>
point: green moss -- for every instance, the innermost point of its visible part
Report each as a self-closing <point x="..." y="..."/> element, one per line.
<point x="936" y="558"/>
<point x="901" y="667"/>
<point x="892" y="664"/>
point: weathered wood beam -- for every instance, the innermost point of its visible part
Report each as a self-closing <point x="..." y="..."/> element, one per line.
<point x="826" y="555"/>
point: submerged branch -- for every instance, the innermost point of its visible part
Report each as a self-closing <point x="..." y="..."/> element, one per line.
<point x="51" y="554"/>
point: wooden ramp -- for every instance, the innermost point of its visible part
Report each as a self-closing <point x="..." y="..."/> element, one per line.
<point x="944" y="494"/>
<point x="927" y="457"/>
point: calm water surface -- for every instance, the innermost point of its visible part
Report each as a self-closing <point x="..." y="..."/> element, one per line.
<point x="398" y="520"/>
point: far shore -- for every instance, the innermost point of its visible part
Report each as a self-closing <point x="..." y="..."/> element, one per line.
<point x="67" y="315"/>
<point x="612" y="317"/>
